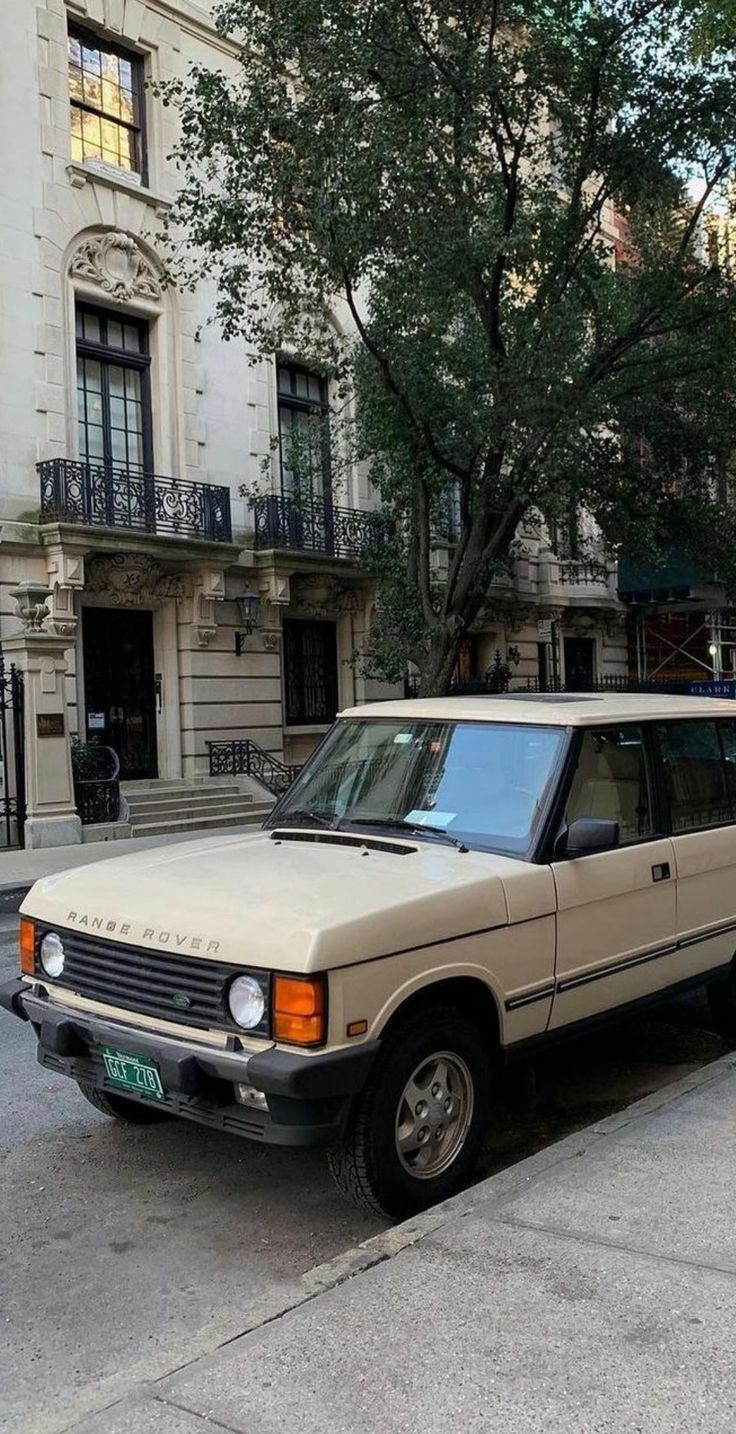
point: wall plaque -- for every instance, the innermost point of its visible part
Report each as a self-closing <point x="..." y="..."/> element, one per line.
<point x="49" y="724"/>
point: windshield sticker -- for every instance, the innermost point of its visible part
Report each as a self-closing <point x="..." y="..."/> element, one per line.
<point x="421" y="818"/>
<point x="402" y="738"/>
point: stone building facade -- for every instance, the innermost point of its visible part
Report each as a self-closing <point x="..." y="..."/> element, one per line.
<point x="128" y="430"/>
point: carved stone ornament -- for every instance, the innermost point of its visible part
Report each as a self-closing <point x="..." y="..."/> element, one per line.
<point x="134" y="580"/>
<point x="66" y="577"/>
<point x="209" y="590"/>
<point x="30" y="603"/>
<point x="117" y="265"/>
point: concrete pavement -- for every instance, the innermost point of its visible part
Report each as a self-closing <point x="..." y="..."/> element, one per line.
<point x="590" y="1289"/>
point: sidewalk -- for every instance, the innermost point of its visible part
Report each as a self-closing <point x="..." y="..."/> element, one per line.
<point x="19" y="869"/>
<point x="588" y="1290"/>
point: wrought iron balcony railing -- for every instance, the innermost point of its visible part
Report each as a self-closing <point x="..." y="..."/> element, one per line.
<point x="107" y="496"/>
<point x="316" y="525"/>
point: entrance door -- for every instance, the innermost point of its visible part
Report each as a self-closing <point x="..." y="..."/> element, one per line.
<point x="119" y="686"/>
<point x="579" y="664"/>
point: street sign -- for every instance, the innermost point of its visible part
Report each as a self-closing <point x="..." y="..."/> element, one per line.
<point x="713" y="689"/>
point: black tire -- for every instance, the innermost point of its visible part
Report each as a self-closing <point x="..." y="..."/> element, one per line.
<point x="367" y="1167"/>
<point x="722" y="1002"/>
<point x="132" y="1112"/>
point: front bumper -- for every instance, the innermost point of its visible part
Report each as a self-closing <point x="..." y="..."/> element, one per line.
<point x="308" y="1096"/>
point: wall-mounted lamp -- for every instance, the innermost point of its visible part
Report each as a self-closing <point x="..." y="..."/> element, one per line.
<point x="248" y="611"/>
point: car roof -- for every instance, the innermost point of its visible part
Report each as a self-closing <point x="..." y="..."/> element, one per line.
<point x="578" y="709"/>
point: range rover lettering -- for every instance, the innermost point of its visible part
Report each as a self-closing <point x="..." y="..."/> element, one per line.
<point x="446" y="885"/>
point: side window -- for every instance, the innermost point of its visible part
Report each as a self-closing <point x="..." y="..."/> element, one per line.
<point x="612" y="780"/>
<point x="727" y="732"/>
<point x="695" y="774"/>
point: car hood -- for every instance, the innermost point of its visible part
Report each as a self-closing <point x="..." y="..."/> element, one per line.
<point x="300" y="901"/>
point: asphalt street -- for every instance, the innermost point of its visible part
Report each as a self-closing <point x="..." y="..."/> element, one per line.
<point x="117" y="1241"/>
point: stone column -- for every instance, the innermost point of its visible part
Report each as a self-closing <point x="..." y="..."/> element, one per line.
<point x="51" y="814"/>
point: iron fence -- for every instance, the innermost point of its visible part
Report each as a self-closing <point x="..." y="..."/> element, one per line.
<point x="96" y="772"/>
<point x="106" y="496"/>
<point x="316" y="525"/>
<point x="12" y="756"/>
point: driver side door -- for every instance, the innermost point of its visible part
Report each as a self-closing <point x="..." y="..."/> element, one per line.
<point x="616" y="910"/>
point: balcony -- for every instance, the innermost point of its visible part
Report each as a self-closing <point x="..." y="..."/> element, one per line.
<point x="316" y="525"/>
<point x="118" y="498"/>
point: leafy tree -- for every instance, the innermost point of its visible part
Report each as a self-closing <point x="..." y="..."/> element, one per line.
<point x="446" y="171"/>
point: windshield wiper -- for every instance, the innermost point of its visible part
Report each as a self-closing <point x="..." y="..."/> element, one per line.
<point x="304" y="814"/>
<point x="398" y="824"/>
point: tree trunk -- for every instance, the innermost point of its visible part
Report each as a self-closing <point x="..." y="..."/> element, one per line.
<point x="439" y="664"/>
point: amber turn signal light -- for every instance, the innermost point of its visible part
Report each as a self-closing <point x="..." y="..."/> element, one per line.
<point x="299" y="1010"/>
<point x="27" y="946"/>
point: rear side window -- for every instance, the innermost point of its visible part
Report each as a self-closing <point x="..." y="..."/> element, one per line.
<point x="695" y="774"/>
<point x="612" y="780"/>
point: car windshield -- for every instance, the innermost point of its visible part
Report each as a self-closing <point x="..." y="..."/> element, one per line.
<point x="483" y="783"/>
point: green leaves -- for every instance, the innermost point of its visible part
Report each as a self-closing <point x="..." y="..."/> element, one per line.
<point x="478" y="216"/>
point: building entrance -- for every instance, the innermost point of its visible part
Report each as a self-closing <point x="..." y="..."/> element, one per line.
<point x="119" y="686"/>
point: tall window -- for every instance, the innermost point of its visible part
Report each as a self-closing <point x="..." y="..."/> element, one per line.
<point x="310" y="673"/>
<point x="304" y="432"/>
<point x="106" y="97"/>
<point x="113" y="402"/>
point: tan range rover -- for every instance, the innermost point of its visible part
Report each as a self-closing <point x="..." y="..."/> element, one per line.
<point x="446" y="885"/>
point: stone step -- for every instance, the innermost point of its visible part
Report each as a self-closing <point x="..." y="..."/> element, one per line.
<point x="225" y="809"/>
<point x="253" y="817"/>
<point x="152" y="791"/>
<point x="157" y="806"/>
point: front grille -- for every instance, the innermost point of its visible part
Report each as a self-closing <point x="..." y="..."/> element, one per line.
<point x="139" y="979"/>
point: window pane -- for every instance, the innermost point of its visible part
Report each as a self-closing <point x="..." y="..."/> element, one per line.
<point x="91" y="136"/>
<point x="75" y="82"/>
<point x="302" y="390"/>
<point x="92" y="377"/>
<point x="132" y="338"/>
<point x="315" y="387"/>
<point x="284" y="379"/>
<point x="77" y="151"/>
<point x="728" y="742"/>
<point x="118" y="445"/>
<point x="92" y="446"/>
<point x="91" y="326"/>
<point x="695" y="774"/>
<point x="612" y="781"/>
<point x="114" y="334"/>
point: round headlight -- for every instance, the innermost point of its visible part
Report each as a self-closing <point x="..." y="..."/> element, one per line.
<point x="52" y="954"/>
<point x="247" y="1002"/>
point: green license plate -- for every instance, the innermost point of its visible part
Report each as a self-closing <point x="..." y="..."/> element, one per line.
<point x="132" y="1073"/>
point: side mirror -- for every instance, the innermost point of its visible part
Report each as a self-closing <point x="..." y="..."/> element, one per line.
<point x="587" y="835"/>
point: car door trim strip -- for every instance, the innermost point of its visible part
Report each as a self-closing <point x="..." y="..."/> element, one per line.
<point x="515" y="1003"/>
<point x="569" y="983"/>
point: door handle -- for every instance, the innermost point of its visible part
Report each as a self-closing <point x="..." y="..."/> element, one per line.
<point x="661" y="872"/>
<point x="159" y="689"/>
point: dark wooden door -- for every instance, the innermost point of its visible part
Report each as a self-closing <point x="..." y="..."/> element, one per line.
<point x="119" y="687"/>
<point x="579" y="664"/>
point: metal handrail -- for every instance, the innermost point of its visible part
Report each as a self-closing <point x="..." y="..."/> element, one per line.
<point x="245" y="758"/>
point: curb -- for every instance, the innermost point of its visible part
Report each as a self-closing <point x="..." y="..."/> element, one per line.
<point x="494" y="1190"/>
<point x="12" y="894"/>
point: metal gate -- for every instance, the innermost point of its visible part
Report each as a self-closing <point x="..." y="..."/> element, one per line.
<point x="12" y="757"/>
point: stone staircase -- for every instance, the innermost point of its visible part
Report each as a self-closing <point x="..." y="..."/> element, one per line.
<point x="163" y="808"/>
